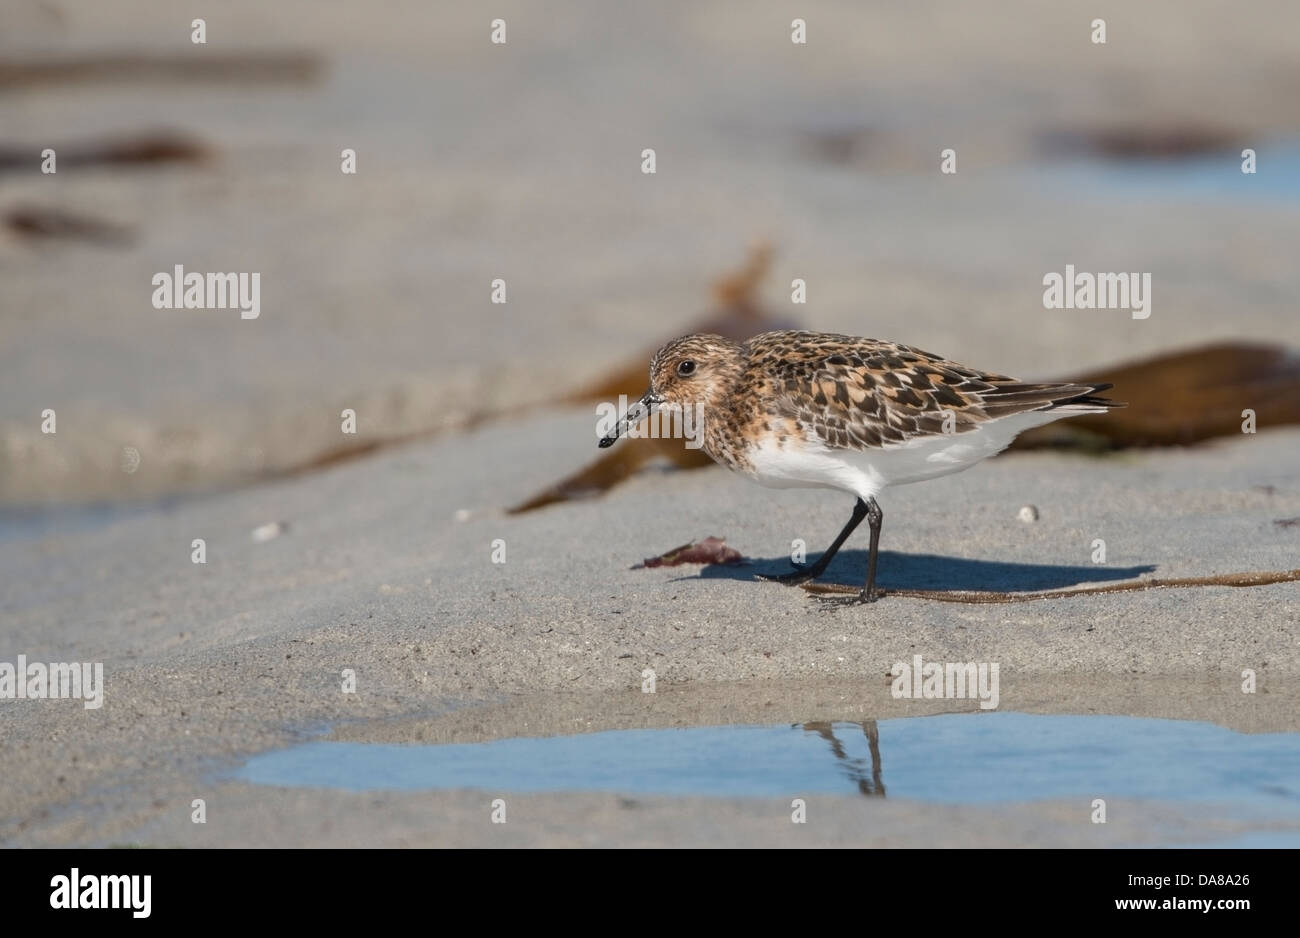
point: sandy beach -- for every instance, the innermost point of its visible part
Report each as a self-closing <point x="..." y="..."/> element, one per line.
<point x="207" y="664"/>
<point x="521" y="162"/>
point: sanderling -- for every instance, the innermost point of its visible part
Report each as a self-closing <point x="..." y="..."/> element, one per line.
<point x="810" y="409"/>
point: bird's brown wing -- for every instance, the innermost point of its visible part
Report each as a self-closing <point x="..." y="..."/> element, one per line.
<point x="860" y="393"/>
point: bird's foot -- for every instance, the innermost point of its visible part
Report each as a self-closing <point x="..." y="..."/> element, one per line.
<point x="858" y="599"/>
<point x="800" y="575"/>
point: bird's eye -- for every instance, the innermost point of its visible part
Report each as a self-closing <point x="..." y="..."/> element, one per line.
<point x="686" y="368"/>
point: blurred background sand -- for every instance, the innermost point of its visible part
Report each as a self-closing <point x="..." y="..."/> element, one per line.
<point x="522" y="161"/>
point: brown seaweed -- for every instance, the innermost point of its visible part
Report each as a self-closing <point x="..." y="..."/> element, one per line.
<point x="1175" y="141"/>
<point x="144" y="148"/>
<point x="1183" y="397"/>
<point x="243" y="67"/>
<point x="45" y="222"/>
<point x="737" y="316"/>
<point x="1174" y="399"/>
<point x="1253" y="578"/>
<point x="710" y="551"/>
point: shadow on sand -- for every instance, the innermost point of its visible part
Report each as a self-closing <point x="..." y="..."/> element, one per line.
<point x="936" y="572"/>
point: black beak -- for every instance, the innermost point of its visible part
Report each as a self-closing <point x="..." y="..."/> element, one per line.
<point x="635" y="414"/>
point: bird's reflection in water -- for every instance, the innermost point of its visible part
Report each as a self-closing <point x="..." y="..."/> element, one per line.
<point x="868" y="781"/>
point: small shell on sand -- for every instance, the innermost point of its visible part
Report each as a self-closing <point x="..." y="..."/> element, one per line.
<point x="1028" y="514"/>
<point x="268" y="532"/>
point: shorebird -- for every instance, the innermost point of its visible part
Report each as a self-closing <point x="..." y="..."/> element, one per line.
<point x="819" y="410"/>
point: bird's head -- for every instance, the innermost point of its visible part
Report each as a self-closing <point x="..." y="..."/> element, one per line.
<point x="693" y="371"/>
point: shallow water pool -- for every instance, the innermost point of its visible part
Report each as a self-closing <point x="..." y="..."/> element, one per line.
<point x="953" y="759"/>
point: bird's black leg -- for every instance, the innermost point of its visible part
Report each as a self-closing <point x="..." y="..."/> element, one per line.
<point x="874" y="517"/>
<point x="804" y="574"/>
<point x="869" y="592"/>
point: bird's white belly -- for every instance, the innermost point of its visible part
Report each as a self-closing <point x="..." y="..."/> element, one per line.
<point x="800" y="465"/>
<point x="808" y="463"/>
